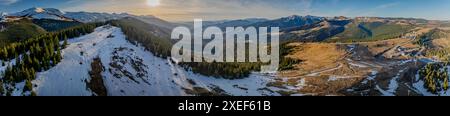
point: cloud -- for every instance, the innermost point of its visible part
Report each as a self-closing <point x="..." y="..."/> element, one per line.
<point x="8" y="2"/>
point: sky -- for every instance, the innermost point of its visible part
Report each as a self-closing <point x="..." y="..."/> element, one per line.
<point x="187" y="10"/>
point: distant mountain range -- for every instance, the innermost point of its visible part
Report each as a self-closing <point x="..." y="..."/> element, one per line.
<point x="56" y="14"/>
<point x="233" y="23"/>
<point x="290" y="21"/>
<point x="295" y="27"/>
<point x="43" y="17"/>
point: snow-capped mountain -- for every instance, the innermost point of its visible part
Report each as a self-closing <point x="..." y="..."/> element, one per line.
<point x="42" y="13"/>
<point x="290" y="21"/>
<point x="3" y="14"/>
<point x="94" y="17"/>
<point x="239" y="22"/>
<point x="56" y="14"/>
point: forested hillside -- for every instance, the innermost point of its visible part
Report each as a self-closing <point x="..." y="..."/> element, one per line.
<point x="23" y="59"/>
<point x="55" y="25"/>
<point x="371" y="31"/>
<point x="19" y="30"/>
<point x="141" y="32"/>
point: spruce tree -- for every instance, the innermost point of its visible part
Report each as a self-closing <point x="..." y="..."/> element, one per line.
<point x="5" y="53"/>
<point x="65" y="42"/>
<point x="37" y="64"/>
<point x="58" y="55"/>
<point x="28" y="85"/>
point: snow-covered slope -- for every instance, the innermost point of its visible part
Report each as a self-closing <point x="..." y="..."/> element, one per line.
<point x="131" y="70"/>
<point x="290" y="21"/>
<point x="56" y="14"/>
<point x="42" y="13"/>
<point x="3" y="14"/>
<point x="94" y="17"/>
<point x="235" y="23"/>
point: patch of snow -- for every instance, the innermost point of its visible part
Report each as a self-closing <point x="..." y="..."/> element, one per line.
<point x="383" y="92"/>
<point x="358" y="65"/>
<point x="372" y="76"/>
<point x="326" y="70"/>
<point x="369" y="64"/>
<point x="18" y="89"/>
<point x="335" y="77"/>
<point x="392" y="87"/>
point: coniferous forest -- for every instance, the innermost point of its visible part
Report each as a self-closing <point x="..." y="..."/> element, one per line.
<point x="23" y="59"/>
<point x="435" y="77"/>
<point x="138" y="32"/>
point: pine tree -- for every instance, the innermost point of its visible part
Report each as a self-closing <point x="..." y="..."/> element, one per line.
<point x="65" y="42"/>
<point x="33" y="93"/>
<point x="445" y="82"/>
<point x="28" y="85"/>
<point x="58" y="55"/>
<point x="5" y="53"/>
<point x="33" y="74"/>
<point x="37" y="64"/>
<point x="1" y="87"/>
<point x="51" y="48"/>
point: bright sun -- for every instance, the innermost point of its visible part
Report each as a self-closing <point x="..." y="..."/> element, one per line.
<point x="153" y="3"/>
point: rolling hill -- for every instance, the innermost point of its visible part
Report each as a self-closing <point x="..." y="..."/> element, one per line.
<point x="371" y="31"/>
<point x="19" y="30"/>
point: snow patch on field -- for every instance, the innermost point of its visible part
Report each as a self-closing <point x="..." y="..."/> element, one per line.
<point x="392" y="87"/>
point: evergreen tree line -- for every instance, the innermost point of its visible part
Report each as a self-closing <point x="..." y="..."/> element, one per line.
<point x="442" y="54"/>
<point x="137" y="31"/>
<point x="433" y="34"/>
<point x="236" y="70"/>
<point x="14" y="49"/>
<point x="435" y="77"/>
<point x="55" y="25"/>
<point x="23" y="59"/>
<point x="287" y="63"/>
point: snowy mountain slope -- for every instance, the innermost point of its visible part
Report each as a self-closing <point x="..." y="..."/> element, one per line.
<point x="290" y="21"/>
<point x="42" y="13"/>
<point x="3" y="14"/>
<point x="94" y="17"/>
<point x="131" y="70"/>
<point x="236" y="23"/>
<point x="56" y="14"/>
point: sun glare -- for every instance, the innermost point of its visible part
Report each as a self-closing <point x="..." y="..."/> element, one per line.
<point x="153" y="3"/>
